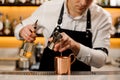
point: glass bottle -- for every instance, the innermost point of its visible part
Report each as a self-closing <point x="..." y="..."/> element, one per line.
<point x="37" y="55"/>
<point x="38" y="51"/>
<point x="42" y="1"/>
<point x="29" y="49"/>
<point x="6" y="2"/>
<point x="7" y="26"/>
<point x="3" y="1"/>
<point x="37" y="2"/>
<point x="11" y="1"/>
<point x="1" y="24"/>
<point x="117" y="26"/>
<point x="118" y="2"/>
<point x="0" y="1"/>
<point x="27" y="2"/>
<point x="13" y="25"/>
<point x="113" y="2"/>
<point x="33" y="2"/>
<point x="22" y="1"/>
<point x="106" y="2"/>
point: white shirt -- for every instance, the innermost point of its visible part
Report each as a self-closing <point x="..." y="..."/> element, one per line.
<point x="48" y="14"/>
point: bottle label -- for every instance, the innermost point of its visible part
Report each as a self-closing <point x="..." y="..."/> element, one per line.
<point x="7" y="31"/>
<point x="118" y="30"/>
<point x="1" y="25"/>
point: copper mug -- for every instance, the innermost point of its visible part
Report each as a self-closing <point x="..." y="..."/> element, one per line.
<point x="63" y="64"/>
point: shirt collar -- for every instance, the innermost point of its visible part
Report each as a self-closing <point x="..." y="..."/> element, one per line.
<point x="84" y="14"/>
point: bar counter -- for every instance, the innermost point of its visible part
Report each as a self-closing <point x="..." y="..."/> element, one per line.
<point x="46" y="75"/>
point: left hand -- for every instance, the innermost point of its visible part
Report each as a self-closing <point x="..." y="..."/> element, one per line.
<point x="28" y="33"/>
<point x="65" y="43"/>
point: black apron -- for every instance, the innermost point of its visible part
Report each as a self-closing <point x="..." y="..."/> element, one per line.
<point x="85" y="38"/>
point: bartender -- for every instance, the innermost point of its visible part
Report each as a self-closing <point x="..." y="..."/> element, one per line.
<point x="84" y="27"/>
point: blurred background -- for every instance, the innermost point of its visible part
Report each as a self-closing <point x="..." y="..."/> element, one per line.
<point x="13" y="12"/>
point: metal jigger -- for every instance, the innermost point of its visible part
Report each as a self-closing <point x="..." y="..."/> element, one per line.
<point x="56" y="38"/>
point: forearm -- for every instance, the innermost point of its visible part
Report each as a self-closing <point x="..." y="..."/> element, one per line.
<point x="29" y="21"/>
<point x="96" y="58"/>
<point x="17" y="31"/>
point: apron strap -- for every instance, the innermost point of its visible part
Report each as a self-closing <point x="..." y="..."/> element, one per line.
<point x="103" y="49"/>
<point x="61" y="15"/>
<point x="88" y="19"/>
<point x="59" y="20"/>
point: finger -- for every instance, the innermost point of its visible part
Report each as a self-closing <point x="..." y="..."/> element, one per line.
<point x="33" y="35"/>
<point x="65" y="37"/>
<point x="27" y="34"/>
<point x="27" y="37"/>
<point x="60" y="45"/>
<point x="23" y="35"/>
<point x="65" y="41"/>
<point x="62" y="42"/>
<point x="57" y="46"/>
<point x="31" y="28"/>
<point x="50" y="39"/>
<point x="64" y="48"/>
<point x="31" y="39"/>
<point x="27" y="31"/>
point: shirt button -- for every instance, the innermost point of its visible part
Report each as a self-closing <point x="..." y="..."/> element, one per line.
<point x="87" y="32"/>
<point x="86" y="36"/>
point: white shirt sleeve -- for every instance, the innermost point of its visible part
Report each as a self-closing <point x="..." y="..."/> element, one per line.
<point x="101" y="39"/>
<point x="30" y="20"/>
<point x="96" y="58"/>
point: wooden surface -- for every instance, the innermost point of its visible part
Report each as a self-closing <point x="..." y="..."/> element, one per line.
<point x="9" y="42"/>
<point x="9" y="59"/>
<point x="14" y="12"/>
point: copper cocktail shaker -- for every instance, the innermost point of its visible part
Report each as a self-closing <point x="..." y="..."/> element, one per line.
<point x="63" y="64"/>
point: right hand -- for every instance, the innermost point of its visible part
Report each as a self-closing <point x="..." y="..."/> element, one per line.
<point x="28" y="33"/>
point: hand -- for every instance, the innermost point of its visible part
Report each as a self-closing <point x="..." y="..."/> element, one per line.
<point x="28" y="33"/>
<point x="66" y="43"/>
